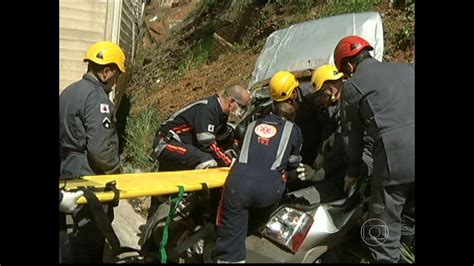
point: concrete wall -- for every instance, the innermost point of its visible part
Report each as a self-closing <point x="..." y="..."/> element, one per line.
<point x="84" y="22"/>
<point x="81" y="23"/>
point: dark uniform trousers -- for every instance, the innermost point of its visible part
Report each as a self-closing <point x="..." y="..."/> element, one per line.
<point x="87" y="240"/>
<point x="394" y="205"/>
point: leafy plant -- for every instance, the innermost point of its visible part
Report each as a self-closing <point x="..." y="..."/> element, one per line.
<point x="139" y="133"/>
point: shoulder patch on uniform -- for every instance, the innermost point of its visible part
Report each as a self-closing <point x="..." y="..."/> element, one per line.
<point x="210" y="128"/>
<point x="104" y="108"/>
<point x="265" y="130"/>
<point x="106" y="123"/>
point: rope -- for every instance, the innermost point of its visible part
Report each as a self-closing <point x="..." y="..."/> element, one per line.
<point x="164" y="239"/>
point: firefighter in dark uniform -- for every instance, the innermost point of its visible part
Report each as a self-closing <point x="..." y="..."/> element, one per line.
<point x="314" y="118"/>
<point x="330" y="166"/>
<point x="270" y="154"/>
<point x="378" y="98"/>
<point x="284" y="87"/>
<point x="187" y="140"/>
<point x="327" y="81"/>
<point x="88" y="139"/>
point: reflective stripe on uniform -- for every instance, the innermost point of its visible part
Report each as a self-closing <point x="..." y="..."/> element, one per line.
<point x="184" y="109"/>
<point x="220" y="154"/>
<point x="182" y="129"/>
<point x="159" y="148"/>
<point x="295" y="158"/>
<point x="244" y="153"/>
<point x="175" y="136"/>
<point x="176" y="149"/>
<point x="285" y="137"/>
<point x="205" y="136"/>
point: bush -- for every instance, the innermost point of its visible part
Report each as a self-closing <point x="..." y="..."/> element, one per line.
<point x="300" y="5"/>
<point x="203" y="7"/>
<point x="405" y="37"/>
<point x="339" y="7"/>
<point x="139" y="133"/>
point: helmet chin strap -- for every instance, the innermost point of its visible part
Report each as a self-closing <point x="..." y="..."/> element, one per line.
<point x="347" y="70"/>
<point x="99" y="78"/>
<point x="104" y="83"/>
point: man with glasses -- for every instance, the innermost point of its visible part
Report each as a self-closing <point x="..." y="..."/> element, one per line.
<point x="88" y="140"/>
<point x="187" y="139"/>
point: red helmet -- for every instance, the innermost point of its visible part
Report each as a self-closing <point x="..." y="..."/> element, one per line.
<point x="349" y="46"/>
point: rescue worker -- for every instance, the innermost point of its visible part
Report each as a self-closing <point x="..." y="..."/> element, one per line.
<point x="187" y="140"/>
<point x="327" y="82"/>
<point x="270" y="154"/>
<point x="378" y="98"/>
<point x="88" y="139"/>
<point x="285" y="88"/>
<point x="331" y="164"/>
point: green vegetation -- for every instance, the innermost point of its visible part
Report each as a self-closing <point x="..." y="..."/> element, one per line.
<point x="309" y="10"/>
<point x="140" y="131"/>
<point x="194" y="58"/>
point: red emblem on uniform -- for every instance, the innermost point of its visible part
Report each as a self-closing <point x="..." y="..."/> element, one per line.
<point x="263" y="141"/>
<point x="104" y="108"/>
<point x="265" y="132"/>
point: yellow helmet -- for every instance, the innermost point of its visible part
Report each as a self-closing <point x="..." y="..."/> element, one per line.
<point x="282" y="85"/>
<point x="103" y="53"/>
<point x="324" y="73"/>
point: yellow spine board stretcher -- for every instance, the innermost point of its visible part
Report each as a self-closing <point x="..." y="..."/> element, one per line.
<point x="149" y="184"/>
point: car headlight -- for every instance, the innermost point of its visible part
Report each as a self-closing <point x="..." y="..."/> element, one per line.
<point x="288" y="227"/>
